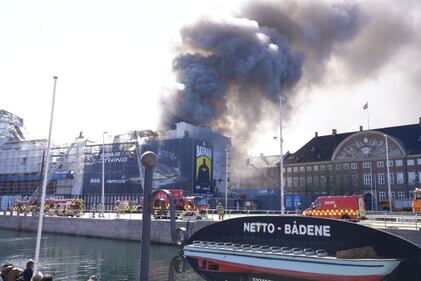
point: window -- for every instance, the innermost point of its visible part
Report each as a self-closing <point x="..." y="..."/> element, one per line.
<point x="382" y="196"/>
<point x="367" y="179"/>
<point x="380" y="164"/>
<point x="289" y="181"/>
<point x="316" y="181"/>
<point x="354" y="180"/>
<point x="366" y="165"/>
<point x="399" y="163"/>
<point x="411" y="178"/>
<point x="391" y="178"/>
<point x="302" y="181"/>
<point x="295" y="169"/>
<point x="401" y="195"/>
<point x="393" y="195"/>
<point x="283" y="170"/>
<point x="399" y="178"/>
<point x="309" y="168"/>
<point x="309" y="180"/>
<point x="296" y="181"/>
<point x="338" y="180"/>
<point x="390" y="163"/>
<point x="419" y="177"/>
<point x="419" y="161"/>
<point x="380" y="178"/>
<point x="315" y="168"/>
<point x="410" y="162"/>
<point x="338" y="166"/>
<point x="346" y="166"/>
<point x="322" y="168"/>
<point x="330" y="167"/>
<point x="354" y="166"/>
<point x="289" y="170"/>
<point x="323" y="180"/>
<point x="302" y="169"/>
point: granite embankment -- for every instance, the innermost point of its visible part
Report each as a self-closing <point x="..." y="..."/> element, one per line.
<point x="130" y="229"/>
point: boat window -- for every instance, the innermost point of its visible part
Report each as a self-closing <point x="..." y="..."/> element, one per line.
<point x="418" y="196"/>
<point x="213" y="266"/>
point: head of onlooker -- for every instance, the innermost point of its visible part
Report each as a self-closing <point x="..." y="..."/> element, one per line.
<point x="47" y="277"/>
<point x="30" y="263"/>
<point x="93" y="278"/>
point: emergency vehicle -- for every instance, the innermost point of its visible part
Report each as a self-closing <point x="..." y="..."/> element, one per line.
<point x="127" y="207"/>
<point x="65" y="207"/>
<point x="188" y="204"/>
<point x="338" y="207"/>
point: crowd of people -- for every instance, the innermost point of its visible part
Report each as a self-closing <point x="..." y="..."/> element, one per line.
<point x="9" y="272"/>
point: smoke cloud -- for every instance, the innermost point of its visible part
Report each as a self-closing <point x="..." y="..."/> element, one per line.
<point x="233" y="72"/>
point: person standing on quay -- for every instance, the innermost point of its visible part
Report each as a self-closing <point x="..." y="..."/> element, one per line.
<point x="93" y="210"/>
<point x="220" y="209"/>
<point x="28" y="272"/>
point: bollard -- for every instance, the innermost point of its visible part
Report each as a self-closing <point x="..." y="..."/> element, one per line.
<point x="148" y="160"/>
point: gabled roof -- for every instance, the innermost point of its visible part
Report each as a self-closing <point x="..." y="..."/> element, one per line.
<point x="321" y="148"/>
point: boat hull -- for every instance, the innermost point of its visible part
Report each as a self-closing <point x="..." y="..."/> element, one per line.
<point x="302" y="267"/>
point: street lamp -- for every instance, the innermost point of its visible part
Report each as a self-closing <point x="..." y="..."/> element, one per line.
<point x="226" y="177"/>
<point x="388" y="177"/>
<point x="103" y="175"/>
<point x="281" y="160"/>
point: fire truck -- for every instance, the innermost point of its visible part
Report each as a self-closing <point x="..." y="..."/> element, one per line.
<point x="65" y="207"/>
<point x="182" y="202"/>
<point x="338" y="207"/>
<point x="127" y="207"/>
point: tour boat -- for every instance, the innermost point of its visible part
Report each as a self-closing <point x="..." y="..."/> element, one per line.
<point x="308" y="264"/>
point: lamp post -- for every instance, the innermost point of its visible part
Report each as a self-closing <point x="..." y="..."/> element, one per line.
<point x="388" y="177"/>
<point x="103" y="175"/>
<point x="281" y="160"/>
<point x="226" y="177"/>
<point x="371" y="187"/>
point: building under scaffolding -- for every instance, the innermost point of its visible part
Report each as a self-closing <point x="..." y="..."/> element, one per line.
<point x="76" y="170"/>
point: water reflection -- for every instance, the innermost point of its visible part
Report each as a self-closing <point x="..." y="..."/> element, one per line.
<point x="76" y="258"/>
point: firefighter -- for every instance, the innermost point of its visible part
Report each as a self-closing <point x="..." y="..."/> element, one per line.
<point x="221" y="211"/>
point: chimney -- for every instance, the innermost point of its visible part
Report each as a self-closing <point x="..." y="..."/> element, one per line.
<point x="361" y="128"/>
<point x="316" y="135"/>
<point x="334" y="132"/>
<point x="419" y="123"/>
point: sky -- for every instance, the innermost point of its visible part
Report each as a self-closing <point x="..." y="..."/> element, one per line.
<point x="114" y="64"/>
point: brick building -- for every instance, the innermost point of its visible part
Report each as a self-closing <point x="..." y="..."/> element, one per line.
<point x="351" y="163"/>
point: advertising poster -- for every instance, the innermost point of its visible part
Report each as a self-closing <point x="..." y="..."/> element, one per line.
<point x="121" y="171"/>
<point x="203" y="168"/>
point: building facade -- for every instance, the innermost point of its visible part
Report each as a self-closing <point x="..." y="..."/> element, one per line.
<point x="351" y="163"/>
<point x="189" y="158"/>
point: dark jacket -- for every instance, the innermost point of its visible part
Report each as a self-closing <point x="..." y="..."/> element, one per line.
<point x="27" y="274"/>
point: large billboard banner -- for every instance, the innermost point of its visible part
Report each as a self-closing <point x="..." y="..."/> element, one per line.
<point x="204" y="168"/>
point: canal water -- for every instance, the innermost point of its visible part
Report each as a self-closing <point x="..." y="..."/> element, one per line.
<point x="76" y="258"/>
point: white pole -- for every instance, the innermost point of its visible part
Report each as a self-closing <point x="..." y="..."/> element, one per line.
<point x="103" y="176"/>
<point x="44" y="185"/>
<point x="226" y="177"/>
<point x="388" y="179"/>
<point x="281" y="160"/>
<point x="371" y="188"/>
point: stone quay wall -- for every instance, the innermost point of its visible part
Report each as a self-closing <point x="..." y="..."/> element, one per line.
<point x="130" y="229"/>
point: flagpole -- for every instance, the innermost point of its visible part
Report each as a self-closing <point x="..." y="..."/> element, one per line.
<point x="368" y="118"/>
<point x="44" y="185"/>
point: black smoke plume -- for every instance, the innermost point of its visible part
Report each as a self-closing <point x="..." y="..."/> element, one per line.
<point x="233" y="72"/>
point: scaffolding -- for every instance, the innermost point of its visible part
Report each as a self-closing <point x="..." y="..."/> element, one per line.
<point x="11" y="127"/>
